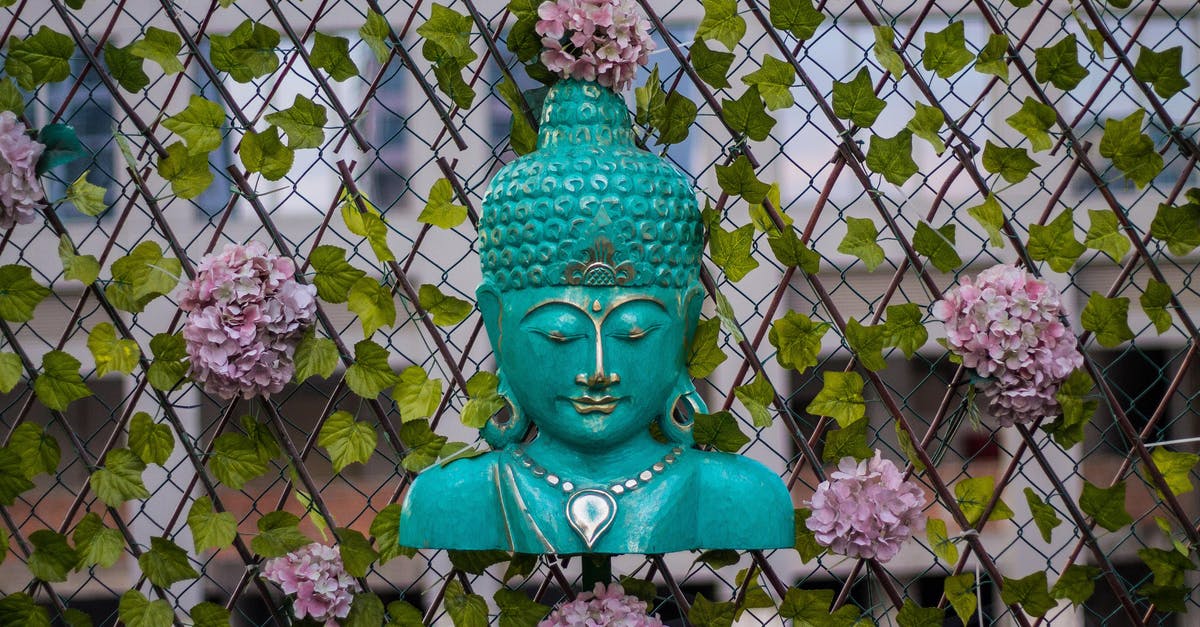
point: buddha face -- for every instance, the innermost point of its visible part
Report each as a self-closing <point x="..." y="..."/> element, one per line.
<point x="592" y="366"/>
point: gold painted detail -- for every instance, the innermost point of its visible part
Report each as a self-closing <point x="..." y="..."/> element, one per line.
<point x="599" y="269"/>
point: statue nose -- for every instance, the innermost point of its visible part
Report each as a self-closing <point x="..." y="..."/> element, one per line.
<point x="598" y="380"/>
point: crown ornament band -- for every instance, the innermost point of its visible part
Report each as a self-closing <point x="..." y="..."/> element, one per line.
<point x="598" y="269"/>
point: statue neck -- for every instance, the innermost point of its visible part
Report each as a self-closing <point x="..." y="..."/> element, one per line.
<point x="597" y="466"/>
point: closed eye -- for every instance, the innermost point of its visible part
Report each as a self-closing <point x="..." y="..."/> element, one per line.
<point x="558" y="336"/>
<point x="636" y="333"/>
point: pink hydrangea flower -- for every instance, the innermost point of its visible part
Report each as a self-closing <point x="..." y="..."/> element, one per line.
<point x="20" y="190"/>
<point x="594" y="40"/>
<point x="604" y="605"/>
<point x="246" y="313"/>
<point x="866" y="509"/>
<point x="1006" y="325"/>
<point x="316" y="580"/>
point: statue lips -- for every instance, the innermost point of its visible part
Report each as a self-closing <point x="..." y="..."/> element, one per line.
<point x="593" y="404"/>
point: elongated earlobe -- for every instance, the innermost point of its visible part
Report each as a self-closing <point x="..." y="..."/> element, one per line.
<point x="500" y="435"/>
<point x="678" y="416"/>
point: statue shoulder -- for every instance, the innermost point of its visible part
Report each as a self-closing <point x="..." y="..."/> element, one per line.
<point x="745" y="504"/>
<point x="455" y="506"/>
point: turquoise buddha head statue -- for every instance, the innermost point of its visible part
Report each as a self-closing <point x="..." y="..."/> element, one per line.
<point x="591" y="250"/>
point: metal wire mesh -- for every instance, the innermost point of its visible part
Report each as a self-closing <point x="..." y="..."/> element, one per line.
<point x="391" y="134"/>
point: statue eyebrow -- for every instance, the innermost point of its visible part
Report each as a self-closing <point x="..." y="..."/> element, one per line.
<point x="543" y="305"/>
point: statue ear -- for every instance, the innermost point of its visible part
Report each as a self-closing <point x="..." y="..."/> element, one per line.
<point x="693" y="302"/>
<point x="487" y="298"/>
<point x="514" y="426"/>
<point x="677" y="425"/>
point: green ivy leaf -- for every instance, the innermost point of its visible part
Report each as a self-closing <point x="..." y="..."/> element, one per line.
<point x="165" y="563"/>
<point x="926" y="123"/>
<point x="370" y="374"/>
<point x="440" y="211"/>
<point x="974" y="493"/>
<point x="757" y="395"/>
<point x="170" y="361"/>
<point x="913" y="615"/>
<point x="444" y="309"/>
<point x="1033" y="120"/>
<point x="960" y="591"/>
<point x="199" y="124"/>
<point x="795" y="16"/>
<point x="60" y="383"/>
<point x="904" y="329"/>
<point x="908" y="448"/>
<point x="209" y="614"/>
<point x="449" y="31"/>
<point x="366" y="610"/>
<point x="1161" y="69"/>
<point x="11" y="98"/>
<point x="1103" y="235"/>
<point x="13" y="478"/>
<point x="1106" y="505"/>
<point x="990" y="216"/>
<point x="386" y="529"/>
<point x="1076" y="584"/>
<point x="278" y="535"/>
<point x="265" y="153"/>
<point x="732" y="250"/>
<point x="939" y="541"/>
<point x="332" y="54"/>
<point x="135" y="610"/>
<point x="416" y="395"/>
<point x="484" y="399"/>
<point x="111" y="354"/>
<point x="746" y="115"/>
<point x="1176" y="226"/>
<point x="1055" y="243"/>
<point x="806" y="541"/>
<point x="96" y="543"/>
<point x="720" y="431"/>
<point x="705" y="353"/>
<point x="52" y="558"/>
<point x="937" y="245"/>
<point x="1166" y="598"/>
<point x="992" y="58"/>
<point x="86" y="197"/>
<point x="1059" y="64"/>
<point x="1030" y="592"/>
<point x="797" y="340"/>
<point x="357" y="553"/>
<point x="38" y="450"/>
<point x="1012" y="164"/>
<point x="423" y="444"/>
<point x="152" y="443"/>
<point x="774" y="80"/>
<point x="790" y="251"/>
<point x="210" y="529"/>
<point x="235" y="460"/>
<point x="1154" y="301"/>
<point x="722" y="23"/>
<point x="315" y="356"/>
<point x="465" y="610"/>
<point x="522" y="135"/>
<point x="712" y="66"/>
<point x="374" y="33"/>
<point x="304" y="122"/>
<point x="448" y="72"/>
<point x="850" y="441"/>
<point x="126" y="67"/>
<point x="1131" y="151"/>
<point x="1108" y="318"/>
<point x="738" y="179"/>
<point x="10" y="371"/>
<point x="187" y="172"/>
<point x="868" y="343"/>
<point x="44" y="57"/>
<point x="861" y="241"/>
<point x="810" y="608"/>
<point x="246" y="53"/>
<point x="1044" y="516"/>
<point x="705" y="613"/>
<point x="855" y="100"/>
<point x="1169" y="567"/>
<point x="348" y="441"/>
<point x="946" y="51"/>
<point x="373" y="304"/>
<point x="261" y="438"/>
<point x="367" y="222"/>
<point x="335" y="276"/>
<point x="19" y="293"/>
<point x="120" y="478"/>
<point x="885" y="53"/>
<point x="840" y="398"/>
<point x="160" y="46"/>
<point x="892" y="157"/>
<point x="1176" y="469"/>
<point x="141" y="276"/>
<point x="1078" y="407"/>
<point x="518" y="610"/>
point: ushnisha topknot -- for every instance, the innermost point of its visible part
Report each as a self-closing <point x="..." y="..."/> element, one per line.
<point x="589" y="207"/>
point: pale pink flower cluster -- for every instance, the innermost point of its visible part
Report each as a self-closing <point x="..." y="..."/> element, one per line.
<point x="246" y="313"/>
<point x="866" y="509"/>
<point x="594" y="40"/>
<point x="316" y="580"/>
<point x="1006" y="326"/>
<point x="20" y="190"/>
<point x="604" y="605"/>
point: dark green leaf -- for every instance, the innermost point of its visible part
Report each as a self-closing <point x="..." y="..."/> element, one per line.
<point x="304" y="123"/>
<point x="13" y="480"/>
<point x="445" y="310"/>
<point x="265" y="153"/>
<point x="705" y="613"/>
<point x="1107" y="318"/>
<point x="126" y="67"/>
<point x="850" y="441"/>
<point x="332" y="54"/>
<point x="711" y="65"/>
<point x="1055" y="243"/>
<point x="11" y="98"/>
<point x="790" y="251"/>
<point x="903" y="328"/>
<point x="370" y="374"/>
<point x="840" y="398"/>
<point x="135" y="610"/>
<point x="797" y="340"/>
<point x="1076" y="584"/>
<point x="738" y="179"/>
<point x="1059" y="64"/>
<point x="796" y="16"/>
<point x="423" y="444"/>
<point x="757" y="396"/>
<point x="705" y="353"/>
<point x="209" y="614"/>
<point x="315" y="356"/>
<point x="806" y="541"/>
<point x="247" y="52"/>
<point x="449" y="31"/>
<point x="169" y="366"/>
<point x="861" y="241"/>
<point x="913" y="615"/>
<point x="165" y="563"/>
<point x="44" y="57"/>
<point x="1154" y="301"/>
<point x="937" y="245"/>
<point x="335" y="276"/>
<point x="187" y="172"/>
<point x="160" y="46"/>
<point x="518" y="610"/>
<point x="19" y="293"/>
<point x="747" y="116"/>
<point x="1030" y="592"/>
<point x="1044" y="516"/>
<point x="357" y="553"/>
<point x="1161" y="69"/>
<point x="946" y="51"/>
<point x="96" y="543"/>
<point x="1033" y="120"/>
<point x="52" y="558"/>
<point x="1078" y="407"/>
<point x="210" y="529"/>
<point x="1013" y="164"/>
<point x="39" y="450"/>
<point x="1131" y="151"/>
<point x="1106" y="505"/>
<point x="731" y="250"/>
<point x="892" y="157"/>
<point x="720" y="431"/>
<point x="235" y="460"/>
<point x="1176" y="226"/>
<point x="386" y="529"/>
<point x="278" y="534"/>
<point x="60" y="383"/>
<point x="855" y="100"/>
<point x="1169" y="567"/>
<point x="774" y="80"/>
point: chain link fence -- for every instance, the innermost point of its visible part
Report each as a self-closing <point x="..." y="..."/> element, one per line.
<point x="907" y="143"/>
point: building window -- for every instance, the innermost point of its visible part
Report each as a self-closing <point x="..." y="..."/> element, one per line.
<point x="388" y="130"/>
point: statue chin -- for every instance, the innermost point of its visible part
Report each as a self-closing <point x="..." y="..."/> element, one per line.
<point x="684" y="499"/>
